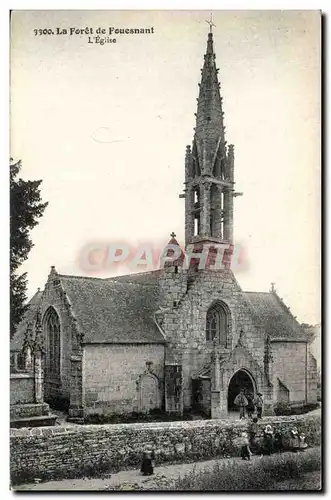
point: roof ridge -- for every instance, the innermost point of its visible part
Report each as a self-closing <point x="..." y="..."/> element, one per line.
<point x="80" y="277"/>
<point x="106" y="280"/>
<point x="134" y="283"/>
<point x="250" y="291"/>
<point x="143" y="273"/>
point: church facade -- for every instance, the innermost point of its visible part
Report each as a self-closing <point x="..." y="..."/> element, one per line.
<point x="185" y="336"/>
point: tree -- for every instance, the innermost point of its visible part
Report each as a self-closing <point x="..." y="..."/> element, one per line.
<point x="26" y="207"/>
<point x="311" y="331"/>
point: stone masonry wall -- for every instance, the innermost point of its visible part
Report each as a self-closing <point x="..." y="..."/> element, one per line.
<point x="58" y="452"/>
<point x="185" y="324"/>
<point x="113" y="372"/>
<point x="289" y="366"/>
<point x="53" y="296"/>
<point x="312" y="379"/>
<point x="21" y="388"/>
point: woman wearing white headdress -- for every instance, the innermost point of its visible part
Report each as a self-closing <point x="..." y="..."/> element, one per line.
<point x="268" y="440"/>
<point x="295" y="440"/>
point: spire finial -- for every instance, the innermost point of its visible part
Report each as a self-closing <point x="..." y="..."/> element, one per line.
<point x="173" y="235"/>
<point x="211" y="24"/>
<point x="273" y="289"/>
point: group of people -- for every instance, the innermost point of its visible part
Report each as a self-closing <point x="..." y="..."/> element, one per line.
<point x="250" y="404"/>
<point x="272" y="442"/>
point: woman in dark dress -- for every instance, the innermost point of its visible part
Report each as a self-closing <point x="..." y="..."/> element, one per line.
<point x="147" y="468"/>
<point x="268" y="441"/>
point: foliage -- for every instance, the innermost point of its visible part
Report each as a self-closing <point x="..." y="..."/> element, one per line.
<point x="277" y="472"/>
<point x="26" y="208"/>
<point x="135" y="417"/>
<point x="257" y="475"/>
<point x="283" y="408"/>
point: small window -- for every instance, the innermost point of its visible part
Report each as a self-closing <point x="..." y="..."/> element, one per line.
<point x="21" y="361"/>
<point x="196" y="225"/>
<point x="12" y="361"/>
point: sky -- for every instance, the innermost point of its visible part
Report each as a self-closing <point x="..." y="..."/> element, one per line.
<point x="105" y="127"/>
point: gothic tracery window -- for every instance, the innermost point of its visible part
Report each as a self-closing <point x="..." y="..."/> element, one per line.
<point x="217" y="325"/>
<point x="53" y="350"/>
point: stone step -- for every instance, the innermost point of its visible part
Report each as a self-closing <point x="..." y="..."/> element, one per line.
<point x="26" y="410"/>
<point x="40" y="421"/>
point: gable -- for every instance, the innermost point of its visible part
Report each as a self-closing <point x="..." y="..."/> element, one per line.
<point x="275" y="317"/>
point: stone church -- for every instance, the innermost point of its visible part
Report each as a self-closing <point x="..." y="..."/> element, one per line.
<point x="181" y="337"/>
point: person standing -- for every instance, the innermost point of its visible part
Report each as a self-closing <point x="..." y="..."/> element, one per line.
<point x="253" y="431"/>
<point x="250" y="407"/>
<point x="147" y="465"/>
<point x="278" y="441"/>
<point x="268" y="441"/>
<point x="258" y="402"/>
<point x="245" y="449"/>
<point x="294" y="440"/>
<point x="241" y="401"/>
<point x="302" y="442"/>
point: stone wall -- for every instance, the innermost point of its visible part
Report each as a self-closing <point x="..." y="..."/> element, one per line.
<point x="312" y="379"/>
<point x="54" y="296"/>
<point x="21" y="388"/>
<point x="290" y="367"/>
<point x="184" y="321"/>
<point x="58" y="452"/>
<point x="123" y="378"/>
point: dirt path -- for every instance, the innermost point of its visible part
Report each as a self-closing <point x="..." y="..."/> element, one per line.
<point x="164" y="476"/>
<point x="125" y="478"/>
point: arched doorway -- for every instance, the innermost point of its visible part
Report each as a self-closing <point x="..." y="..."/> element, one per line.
<point x="242" y="379"/>
<point x="149" y="393"/>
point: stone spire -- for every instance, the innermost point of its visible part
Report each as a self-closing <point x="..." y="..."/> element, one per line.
<point x="209" y="130"/>
<point x="209" y="164"/>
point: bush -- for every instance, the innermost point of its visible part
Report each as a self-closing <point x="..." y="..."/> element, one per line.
<point x="282" y="408"/>
<point x="156" y="415"/>
<point x="258" y="475"/>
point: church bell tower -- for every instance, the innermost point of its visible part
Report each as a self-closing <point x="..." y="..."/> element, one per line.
<point x="209" y="165"/>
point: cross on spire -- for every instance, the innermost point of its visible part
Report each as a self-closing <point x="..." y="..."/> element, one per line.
<point x="173" y="235"/>
<point x="211" y="24"/>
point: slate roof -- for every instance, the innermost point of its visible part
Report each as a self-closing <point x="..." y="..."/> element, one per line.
<point x="113" y="311"/>
<point x="276" y="318"/>
<point x="16" y="342"/>
<point x="146" y="278"/>
<point x="121" y="310"/>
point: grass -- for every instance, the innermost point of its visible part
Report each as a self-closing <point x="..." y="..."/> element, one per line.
<point x="288" y="471"/>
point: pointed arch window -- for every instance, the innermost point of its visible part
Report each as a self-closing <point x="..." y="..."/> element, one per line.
<point x="53" y="342"/>
<point x="217" y="324"/>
